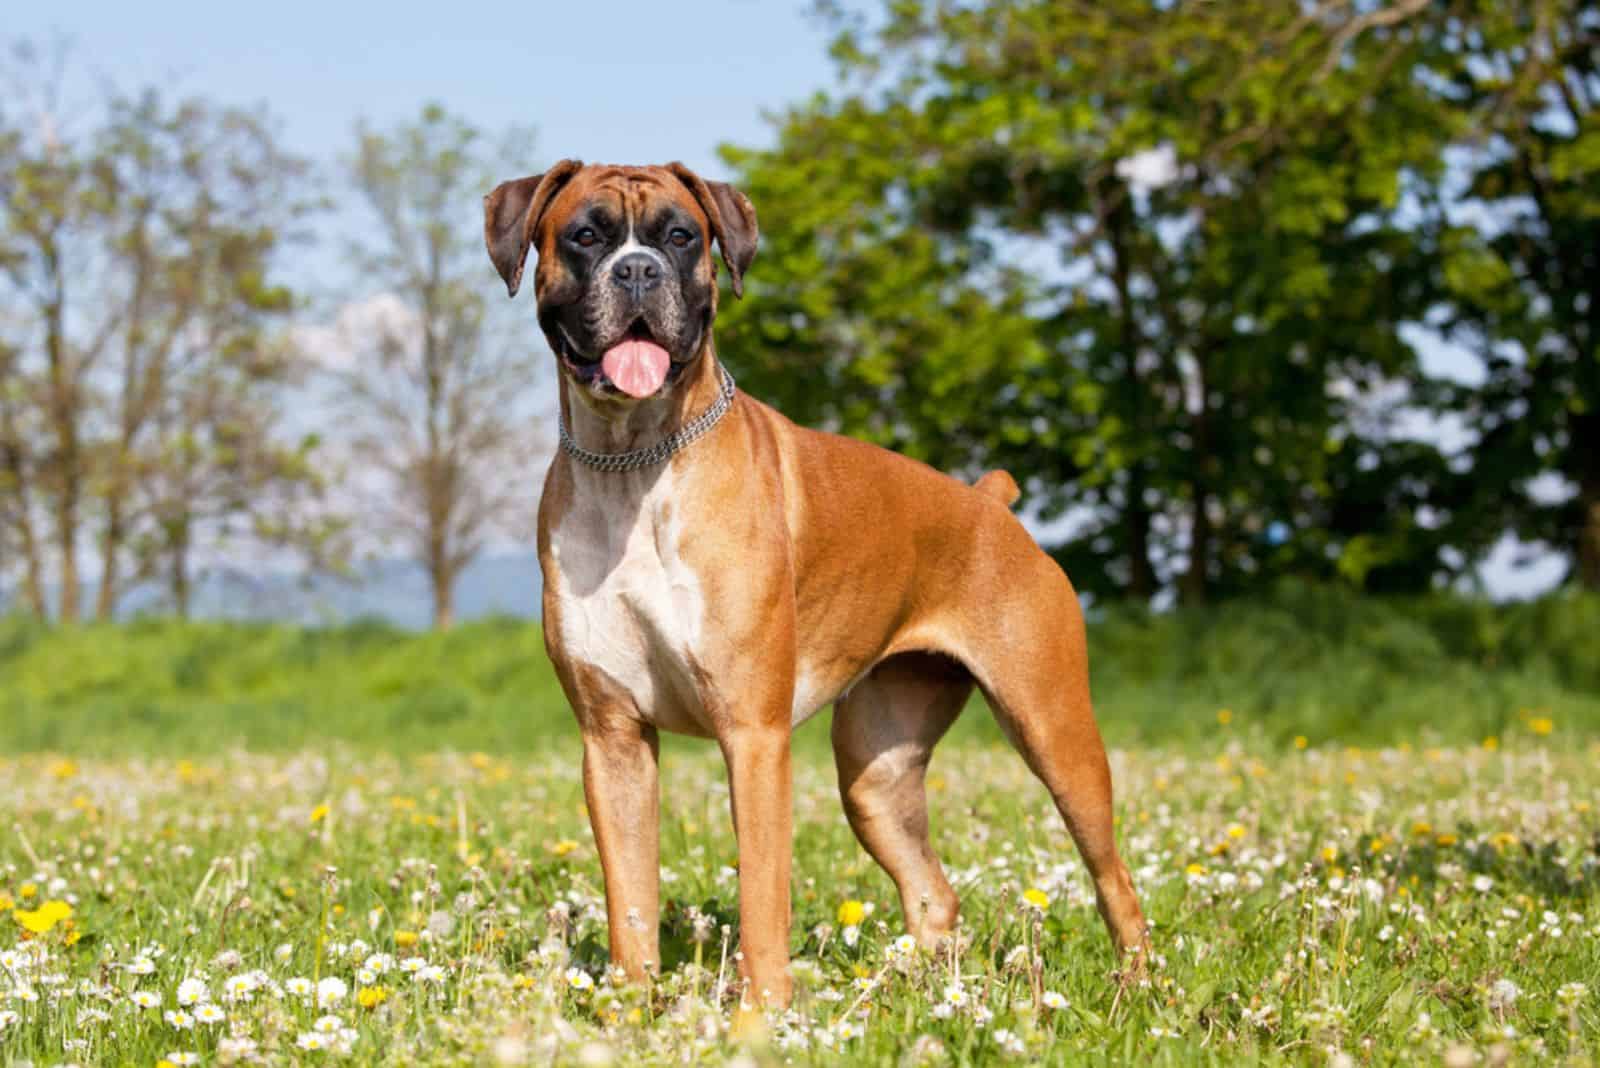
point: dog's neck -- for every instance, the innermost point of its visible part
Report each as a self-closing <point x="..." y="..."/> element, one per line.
<point x="615" y="426"/>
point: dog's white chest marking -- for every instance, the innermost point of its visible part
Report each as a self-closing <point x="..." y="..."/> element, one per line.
<point x="629" y="604"/>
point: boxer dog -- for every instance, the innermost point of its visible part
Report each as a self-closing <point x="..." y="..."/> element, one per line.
<point x="712" y="568"/>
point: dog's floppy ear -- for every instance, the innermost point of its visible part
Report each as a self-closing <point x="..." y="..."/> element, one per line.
<point x="733" y="221"/>
<point x="511" y="217"/>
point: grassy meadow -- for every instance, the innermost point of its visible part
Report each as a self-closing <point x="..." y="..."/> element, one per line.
<point x="1365" y="832"/>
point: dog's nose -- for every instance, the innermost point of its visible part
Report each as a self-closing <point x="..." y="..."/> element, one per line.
<point x="637" y="272"/>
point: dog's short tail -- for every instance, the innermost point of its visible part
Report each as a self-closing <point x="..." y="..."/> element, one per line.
<point x="999" y="485"/>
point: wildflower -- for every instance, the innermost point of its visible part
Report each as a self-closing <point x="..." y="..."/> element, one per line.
<point x="366" y="976"/>
<point x="1482" y="884"/>
<point x="981" y="1015"/>
<point x="851" y="913"/>
<point x="847" y="1029"/>
<point x="209" y="1014"/>
<point x="179" y="1019"/>
<point x="142" y="966"/>
<point x="331" y="991"/>
<point x="145" y="999"/>
<point x="434" y="974"/>
<point x="955" y="995"/>
<point x="579" y="980"/>
<point x="1569" y="994"/>
<point x="563" y="847"/>
<point x="240" y="988"/>
<point x="1541" y="725"/>
<point x="1224" y="716"/>
<point x="1036" y="898"/>
<point x="1009" y="1042"/>
<point x="370" y="997"/>
<point x="1053" y="1000"/>
<point x="310" y="1040"/>
<point x="44" y="918"/>
<point x="182" y="1059"/>
<point x="319" y="813"/>
<point x="7" y="1018"/>
<point x="405" y="939"/>
<point x="327" y="1025"/>
<point x="192" y="991"/>
<point x="1300" y="741"/>
<point x="299" y="986"/>
<point x="904" y="946"/>
<point x="1503" y="994"/>
<point x="235" y="1049"/>
<point x="413" y="965"/>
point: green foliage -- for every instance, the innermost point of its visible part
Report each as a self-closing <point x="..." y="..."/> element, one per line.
<point x="1319" y="662"/>
<point x="1152" y="259"/>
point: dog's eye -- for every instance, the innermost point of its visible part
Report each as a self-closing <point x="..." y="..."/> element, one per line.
<point x="585" y="238"/>
<point x="680" y="237"/>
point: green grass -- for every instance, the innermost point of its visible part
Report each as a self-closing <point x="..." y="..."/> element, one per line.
<point x="1309" y="662"/>
<point x="1388" y="849"/>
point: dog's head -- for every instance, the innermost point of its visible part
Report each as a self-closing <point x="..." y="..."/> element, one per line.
<point x="625" y="284"/>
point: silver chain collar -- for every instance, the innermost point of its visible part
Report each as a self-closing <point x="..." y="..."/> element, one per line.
<point x="662" y="450"/>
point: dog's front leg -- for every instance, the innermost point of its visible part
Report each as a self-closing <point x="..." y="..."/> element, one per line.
<point x="620" y="773"/>
<point x="760" y="786"/>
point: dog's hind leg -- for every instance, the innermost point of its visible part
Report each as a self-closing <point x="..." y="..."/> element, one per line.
<point x="884" y="732"/>
<point x="1041" y="700"/>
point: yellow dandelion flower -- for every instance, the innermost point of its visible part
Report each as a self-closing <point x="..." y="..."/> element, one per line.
<point x="1224" y="716"/>
<point x="26" y="891"/>
<point x="1445" y="839"/>
<point x="370" y="997"/>
<point x="1330" y="854"/>
<point x="64" y="769"/>
<point x="405" y="939"/>
<point x="1422" y="827"/>
<point x="851" y="913"/>
<point x="319" y="813"/>
<point x="1195" y="869"/>
<point x="1236" y="830"/>
<point x="563" y="847"/>
<point x="44" y="918"/>
<point x="1541" y="725"/>
<point x="1036" y="897"/>
<point x="1301" y="741"/>
<point x="6" y="904"/>
<point x="1503" y="840"/>
<point x="1491" y="743"/>
<point x="1379" y="844"/>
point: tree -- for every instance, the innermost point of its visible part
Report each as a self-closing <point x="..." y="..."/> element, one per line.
<point x="138" y="246"/>
<point x="1152" y="258"/>
<point x="1516" y="230"/>
<point x="440" y="395"/>
<point x="201" y="203"/>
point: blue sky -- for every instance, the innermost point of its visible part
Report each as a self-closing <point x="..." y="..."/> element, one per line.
<point x="616" y="82"/>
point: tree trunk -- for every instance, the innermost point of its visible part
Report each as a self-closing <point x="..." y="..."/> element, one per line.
<point x="178" y="570"/>
<point x="1114" y="203"/>
<point x="16" y="474"/>
<point x="444" y="595"/>
<point x="1136" y="514"/>
<point x="110" y="547"/>
<point x="64" y="419"/>
<point x="1193" y="585"/>
<point x="1589" y="538"/>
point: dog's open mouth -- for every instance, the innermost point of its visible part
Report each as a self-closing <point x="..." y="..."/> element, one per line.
<point x="637" y="365"/>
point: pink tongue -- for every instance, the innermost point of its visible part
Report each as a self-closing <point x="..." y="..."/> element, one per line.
<point x="636" y="367"/>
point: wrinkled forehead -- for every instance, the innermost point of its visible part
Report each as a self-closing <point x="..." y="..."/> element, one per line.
<point x="627" y="194"/>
